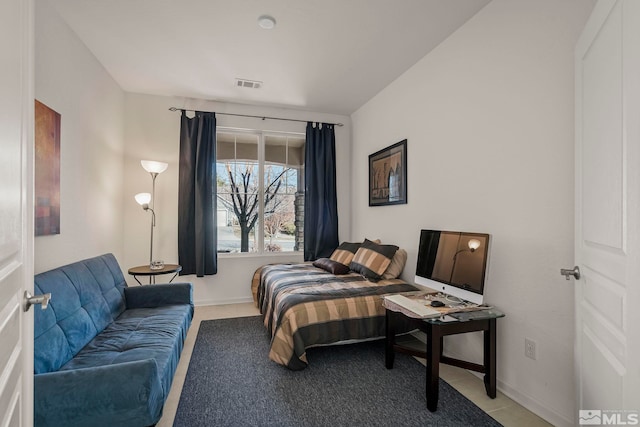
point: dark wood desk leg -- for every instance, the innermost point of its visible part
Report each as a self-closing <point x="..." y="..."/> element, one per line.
<point x="434" y="350"/>
<point x="490" y="359"/>
<point x="389" y="355"/>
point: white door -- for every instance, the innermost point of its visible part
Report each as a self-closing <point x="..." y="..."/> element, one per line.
<point x="16" y="207"/>
<point x="607" y="244"/>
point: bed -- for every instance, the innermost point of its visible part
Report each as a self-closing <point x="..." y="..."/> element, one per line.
<point x="305" y="306"/>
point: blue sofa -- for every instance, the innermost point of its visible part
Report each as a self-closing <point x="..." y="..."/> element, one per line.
<point x="105" y="353"/>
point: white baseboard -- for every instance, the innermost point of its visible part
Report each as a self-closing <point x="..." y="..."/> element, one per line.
<point x="534" y="406"/>
<point x="199" y="303"/>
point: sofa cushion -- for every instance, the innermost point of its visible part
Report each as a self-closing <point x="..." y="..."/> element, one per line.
<point x="86" y="296"/>
<point x="138" y="334"/>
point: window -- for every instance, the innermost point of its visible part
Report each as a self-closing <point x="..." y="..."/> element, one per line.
<point x="260" y="191"/>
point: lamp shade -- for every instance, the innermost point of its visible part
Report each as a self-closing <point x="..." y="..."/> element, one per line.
<point x="143" y="198"/>
<point x="152" y="166"/>
<point x="474" y="244"/>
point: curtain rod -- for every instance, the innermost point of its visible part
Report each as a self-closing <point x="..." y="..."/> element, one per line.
<point x="249" y="115"/>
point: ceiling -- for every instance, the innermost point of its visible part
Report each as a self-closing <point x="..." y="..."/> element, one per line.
<point x="323" y="55"/>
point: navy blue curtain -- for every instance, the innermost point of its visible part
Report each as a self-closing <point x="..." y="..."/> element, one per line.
<point x="320" y="197"/>
<point x="197" y="232"/>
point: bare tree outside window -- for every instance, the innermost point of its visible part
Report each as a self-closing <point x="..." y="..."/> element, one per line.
<point x="239" y="196"/>
<point x="243" y="198"/>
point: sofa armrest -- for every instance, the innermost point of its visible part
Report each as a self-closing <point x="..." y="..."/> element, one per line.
<point x="123" y="394"/>
<point x="148" y="296"/>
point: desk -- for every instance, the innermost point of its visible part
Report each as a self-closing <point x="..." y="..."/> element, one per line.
<point x="145" y="270"/>
<point x="436" y="329"/>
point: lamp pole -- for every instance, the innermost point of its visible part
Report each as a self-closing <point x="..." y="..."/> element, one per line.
<point x="153" y="224"/>
<point x="154" y="168"/>
<point x="153" y="213"/>
<point x="153" y="189"/>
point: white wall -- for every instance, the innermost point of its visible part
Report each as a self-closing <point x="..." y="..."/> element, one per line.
<point x="152" y="132"/>
<point x="70" y="80"/>
<point x="489" y="120"/>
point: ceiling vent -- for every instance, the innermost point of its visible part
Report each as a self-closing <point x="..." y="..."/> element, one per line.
<point x="251" y="84"/>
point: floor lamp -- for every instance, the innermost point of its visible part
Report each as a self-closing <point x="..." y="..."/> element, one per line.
<point x="154" y="168"/>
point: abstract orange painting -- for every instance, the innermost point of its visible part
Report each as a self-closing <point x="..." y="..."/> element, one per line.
<point x="47" y="170"/>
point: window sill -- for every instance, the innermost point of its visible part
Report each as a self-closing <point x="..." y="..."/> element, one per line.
<point x="224" y="255"/>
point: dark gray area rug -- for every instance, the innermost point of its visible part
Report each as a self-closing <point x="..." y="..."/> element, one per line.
<point x="232" y="382"/>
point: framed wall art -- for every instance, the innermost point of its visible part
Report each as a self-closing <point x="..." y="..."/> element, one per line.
<point x="47" y="170"/>
<point x="388" y="175"/>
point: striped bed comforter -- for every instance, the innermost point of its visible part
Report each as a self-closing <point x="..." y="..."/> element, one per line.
<point x="303" y="306"/>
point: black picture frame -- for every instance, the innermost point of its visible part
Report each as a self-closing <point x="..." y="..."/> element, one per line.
<point x="388" y="175"/>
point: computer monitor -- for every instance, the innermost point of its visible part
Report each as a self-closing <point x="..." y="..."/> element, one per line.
<point x="453" y="262"/>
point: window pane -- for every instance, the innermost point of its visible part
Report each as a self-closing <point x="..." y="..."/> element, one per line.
<point x="283" y="193"/>
<point x="279" y="224"/>
<point x="237" y="191"/>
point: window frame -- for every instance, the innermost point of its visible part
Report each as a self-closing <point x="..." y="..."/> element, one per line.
<point x="262" y="135"/>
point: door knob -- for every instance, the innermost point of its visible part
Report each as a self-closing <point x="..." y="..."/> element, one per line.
<point x="575" y="272"/>
<point x="30" y="300"/>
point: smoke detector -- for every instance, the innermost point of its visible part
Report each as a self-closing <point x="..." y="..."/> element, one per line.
<point x="266" y="22"/>
<point x="251" y="84"/>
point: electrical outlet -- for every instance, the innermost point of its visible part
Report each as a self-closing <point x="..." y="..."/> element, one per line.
<point x="530" y="348"/>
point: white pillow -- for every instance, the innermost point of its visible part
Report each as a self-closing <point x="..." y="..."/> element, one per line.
<point x="397" y="265"/>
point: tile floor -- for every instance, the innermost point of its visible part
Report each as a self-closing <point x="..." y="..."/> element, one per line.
<point x="503" y="409"/>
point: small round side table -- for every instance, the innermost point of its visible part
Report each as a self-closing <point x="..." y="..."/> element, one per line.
<point x="145" y="270"/>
